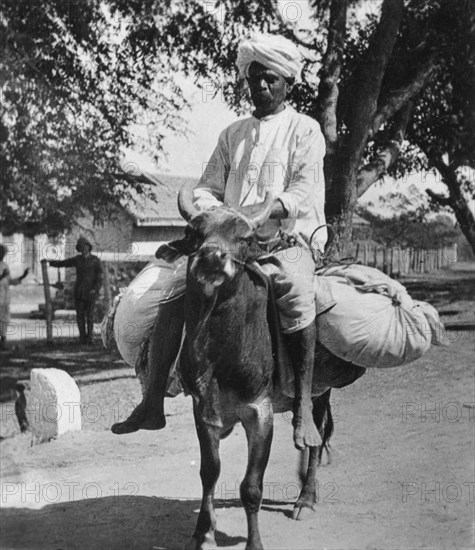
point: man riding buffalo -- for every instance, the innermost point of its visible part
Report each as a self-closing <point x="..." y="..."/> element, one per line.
<point x="279" y="150"/>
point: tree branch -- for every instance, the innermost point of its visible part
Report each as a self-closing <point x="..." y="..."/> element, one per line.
<point x="309" y="45"/>
<point x="290" y="27"/>
<point x="330" y="72"/>
<point x="395" y="101"/>
<point x="446" y="171"/>
<point x="456" y="200"/>
<point x="470" y="105"/>
<point x="370" y="77"/>
<point x="373" y="171"/>
<point x="437" y="197"/>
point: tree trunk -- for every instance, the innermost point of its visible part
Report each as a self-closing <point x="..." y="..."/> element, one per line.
<point x="341" y="184"/>
<point x="456" y="201"/>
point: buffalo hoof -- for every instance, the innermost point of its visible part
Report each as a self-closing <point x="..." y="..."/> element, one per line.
<point x="254" y="546"/>
<point x="303" y="511"/>
<point x="326" y="458"/>
<point x="206" y="543"/>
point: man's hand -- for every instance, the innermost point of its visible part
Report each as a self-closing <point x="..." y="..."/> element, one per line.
<point x="250" y="210"/>
<point x="25" y="273"/>
<point x="278" y="211"/>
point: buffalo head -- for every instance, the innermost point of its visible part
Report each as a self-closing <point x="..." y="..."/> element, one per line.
<point x="218" y="240"/>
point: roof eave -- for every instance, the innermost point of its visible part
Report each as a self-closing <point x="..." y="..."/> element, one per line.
<point x="151" y="222"/>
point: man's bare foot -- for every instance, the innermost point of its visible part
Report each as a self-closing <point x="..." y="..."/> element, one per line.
<point x="305" y="432"/>
<point x="140" y="419"/>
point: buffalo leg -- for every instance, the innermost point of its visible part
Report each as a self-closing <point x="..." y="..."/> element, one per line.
<point x="322" y="414"/>
<point x="306" y="504"/>
<point x="258" y="423"/>
<point x="208" y="436"/>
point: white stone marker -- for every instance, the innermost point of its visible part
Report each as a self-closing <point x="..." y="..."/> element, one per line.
<point x="53" y="404"/>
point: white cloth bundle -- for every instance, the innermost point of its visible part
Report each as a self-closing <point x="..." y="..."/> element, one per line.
<point x="137" y="310"/>
<point x="365" y="317"/>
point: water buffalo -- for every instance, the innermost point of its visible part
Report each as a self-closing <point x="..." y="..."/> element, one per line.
<point x="227" y="364"/>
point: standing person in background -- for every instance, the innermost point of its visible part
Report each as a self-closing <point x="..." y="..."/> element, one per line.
<point x="86" y="288"/>
<point x="5" y="282"/>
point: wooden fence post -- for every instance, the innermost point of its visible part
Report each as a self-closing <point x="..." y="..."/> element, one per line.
<point x="48" y="303"/>
<point x="107" y="288"/>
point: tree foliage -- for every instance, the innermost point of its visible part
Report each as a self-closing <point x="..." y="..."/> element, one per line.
<point x="388" y="81"/>
<point x="77" y="86"/>
<point x="391" y="83"/>
<point x="411" y="229"/>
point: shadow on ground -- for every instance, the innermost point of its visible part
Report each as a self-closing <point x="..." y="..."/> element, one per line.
<point x="109" y="523"/>
<point x="65" y="353"/>
<point x="441" y="292"/>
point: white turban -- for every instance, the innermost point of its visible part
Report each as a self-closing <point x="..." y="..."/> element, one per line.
<point x="273" y="51"/>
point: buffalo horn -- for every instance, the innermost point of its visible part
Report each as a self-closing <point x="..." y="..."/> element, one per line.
<point x="185" y="201"/>
<point x="260" y="216"/>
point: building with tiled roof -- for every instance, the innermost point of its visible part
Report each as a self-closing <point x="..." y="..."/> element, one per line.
<point x="144" y="224"/>
<point x="140" y="226"/>
<point x="134" y="234"/>
<point x="164" y="212"/>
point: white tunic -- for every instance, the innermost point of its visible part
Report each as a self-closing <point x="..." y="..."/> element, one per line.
<point x="282" y="152"/>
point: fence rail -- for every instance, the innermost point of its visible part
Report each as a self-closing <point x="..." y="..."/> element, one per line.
<point x="398" y="262"/>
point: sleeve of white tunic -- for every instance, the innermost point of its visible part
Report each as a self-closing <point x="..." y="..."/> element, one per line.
<point x="210" y="190"/>
<point x="306" y="184"/>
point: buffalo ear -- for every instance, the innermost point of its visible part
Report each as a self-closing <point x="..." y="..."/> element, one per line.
<point x="171" y="251"/>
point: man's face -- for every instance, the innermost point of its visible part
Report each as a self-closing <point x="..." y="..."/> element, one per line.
<point x="84" y="249"/>
<point x="268" y="88"/>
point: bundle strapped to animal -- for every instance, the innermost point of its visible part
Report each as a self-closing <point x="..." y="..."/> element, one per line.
<point x="363" y="316"/>
<point x="369" y="319"/>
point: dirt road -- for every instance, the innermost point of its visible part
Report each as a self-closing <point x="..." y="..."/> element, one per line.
<point x="402" y="475"/>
